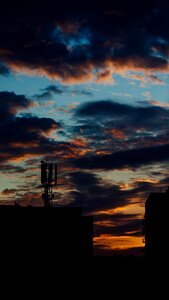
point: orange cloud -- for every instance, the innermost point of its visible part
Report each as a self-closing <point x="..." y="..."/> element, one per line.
<point x="132" y="208"/>
<point x="149" y="180"/>
<point x="83" y="73"/>
<point x="20" y="67"/>
<point x="137" y="64"/>
<point x="81" y="141"/>
<point x="105" y="223"/>
<point x="75" y="153"/>
<point x="49" y="131"/>
<point x="70" y="150"/>
<point x="104" y="76"/>
<point x="155" y="80"/>
<point x="86" y="71"/>
<point x="33" y="199"/>
<point x="159" y="103"/>
<point x="116" y="133"/>
<point x="137" y="77"/>
<point x="74" y="148"/>
<point x="22" y="157"/>
<point x="151" y="78"/>
<point x="110" y="242"/>
<point x="103" y="152"/>
<point x="24" y="145"/>
<point x="7" y="192"/>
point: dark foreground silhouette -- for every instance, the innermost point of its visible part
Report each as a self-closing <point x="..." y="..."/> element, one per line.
<point x="46" y="231"/>
<point x="63" y="231"/>
<point x="156" y="225"/>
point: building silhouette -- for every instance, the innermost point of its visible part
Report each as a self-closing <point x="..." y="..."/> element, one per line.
<point x="156" y="225"/>
<point x="50" y="232"/>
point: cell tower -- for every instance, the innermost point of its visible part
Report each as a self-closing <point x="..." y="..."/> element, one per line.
<point x="48" y="180"/>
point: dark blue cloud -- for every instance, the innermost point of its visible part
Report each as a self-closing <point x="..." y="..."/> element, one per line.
<point x="55" y="89"/>
<point x="51" y="90"/>
<point x="93" y="194"/>
<point x="43" y="96"/>
<point x="9" y="168"/>
<point x="112" y="126"/>
<point x="121" y="228"/>
<point x="109" y="109"/>
<point x="10" y="104"/>
<point x="133" y="158"/>
<point x="67" y="39"/>
<point x="84" y="180"/>
<point x="21" y="135"/>
<point x="4" y="70"/>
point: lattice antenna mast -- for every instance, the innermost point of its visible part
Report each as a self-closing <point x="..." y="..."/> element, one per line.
<point x="48" y="180"/>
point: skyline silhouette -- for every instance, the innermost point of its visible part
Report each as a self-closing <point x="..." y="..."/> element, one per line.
<point x="53" y="231"/>
<point x="74" y="231"/>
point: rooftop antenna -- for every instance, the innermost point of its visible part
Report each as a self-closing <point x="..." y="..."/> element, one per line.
<point x="48" y="180"/>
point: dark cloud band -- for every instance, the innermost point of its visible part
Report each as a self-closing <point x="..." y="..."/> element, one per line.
<point x="73" y="42"/>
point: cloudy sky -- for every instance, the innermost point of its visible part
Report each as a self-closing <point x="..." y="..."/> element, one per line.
<point x="85" y="85"/>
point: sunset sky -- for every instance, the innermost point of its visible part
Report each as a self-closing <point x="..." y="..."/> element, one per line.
<point x="85" y="85"/>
